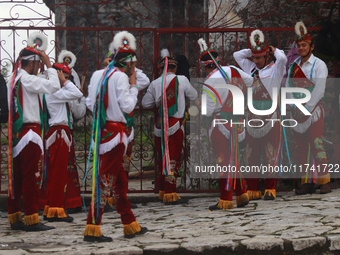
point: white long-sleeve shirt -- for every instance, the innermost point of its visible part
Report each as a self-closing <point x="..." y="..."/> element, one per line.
<point x="316" y="71"/>
<point x="77" y="107"/>
<point x="142" y="81"/>
<point x="56" y="103"/>
<point x="271" y="75"/>
<point x="185" y="89"/>
<point x="217" y="79"/>
<point x="32" y="86"/>
<point x="121" y="97"/>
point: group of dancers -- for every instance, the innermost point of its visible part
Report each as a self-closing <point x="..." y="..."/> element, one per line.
<point x="42" y="109"/>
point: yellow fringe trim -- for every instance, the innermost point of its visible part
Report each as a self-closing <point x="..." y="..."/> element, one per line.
<point x="324" y="179"/>
<point x="32" y="219"/>
<point x="271" y="192"/>
<point x="242" y="199"/>
<point x="161" y="194"/>
<point x="92" y="230"/>
<point x="170" y="197"/>
<point x="225" y="204"/>
<point x="46" y="210"/>
<point x="56" y="212"/>
<point x="252" y="194"/>
<point x="110" y="201"/>
<point x="14" y="217"/>
<point x="131" y="228"/>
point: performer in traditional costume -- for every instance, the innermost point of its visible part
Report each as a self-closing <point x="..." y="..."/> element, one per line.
<point x="25" y="141"/>
<point x="142" y="82"/>
<point x="226" y="138"/>
<point x="73" y="201"/>
<point x="58" y="143"/>
<point x="168" y="93"/>
<point x="112" y="93"/>
<point x="263" y="140"/>
<point x="309" y="72"/>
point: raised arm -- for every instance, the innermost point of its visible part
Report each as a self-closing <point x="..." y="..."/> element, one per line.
<point x="241" y="57"/>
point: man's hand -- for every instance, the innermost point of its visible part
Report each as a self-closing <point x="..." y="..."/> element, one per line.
<point x="107" y="61"/>
<point x="132" y="77"/>
<point x="271" y="49"/>
<point x="61" y="77"/>
<point x="45" y="59"/>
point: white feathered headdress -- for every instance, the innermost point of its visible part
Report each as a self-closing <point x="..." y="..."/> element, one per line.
<point x="67" y="58"/>
<point x="123" y="40"/>
<point x="256" y="38"/>
<point x="300" y="29"/>
<point x="38" y="41"/>
<point x="165" y="53"/>
<point x="302" y="33"/>
<point x="203" y="45"/>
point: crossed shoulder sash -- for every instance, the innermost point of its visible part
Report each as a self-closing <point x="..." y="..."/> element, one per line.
<point x="298" y="79"/>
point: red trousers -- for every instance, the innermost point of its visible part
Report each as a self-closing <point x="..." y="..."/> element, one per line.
<point x="168" y="183"/>
<point x="267" y="146"/>
<point x="312" y="138"/>
<point x="57" y="168"/>
<point x="221" y="148"/>
<point x="72" y="196"/>
<point x="26" y="180"/>
<point x="113" y="178"/>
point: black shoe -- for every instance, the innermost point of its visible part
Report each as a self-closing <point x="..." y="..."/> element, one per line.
<point x="37" y="227"/>
<point x="133" y="206"/>
<point x="325" y="188"/>
<point x="65" y="219"/>
<point x="99" y="239"/>
<point x="268" y="196"/>
<point x="214" y="207"/>
<point x="18" y="225"/>
<point x="307" y="188"/>
<point x="243" y="204"/>
<point x="142" y="231"/>
<point x="177" y="202"/>
<point x="74" y="210"/>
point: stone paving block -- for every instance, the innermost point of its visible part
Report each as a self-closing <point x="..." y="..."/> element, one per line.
<point x="303" y="243"/>
<point x="199" y="244"/>
<point x="161" y="247"/>
<point x="302" y="232"/>
<point x="120" y="251"/>
<point x="14" y="252"/>
<point x="334" y="242"/>
<point x="263" y="243"/>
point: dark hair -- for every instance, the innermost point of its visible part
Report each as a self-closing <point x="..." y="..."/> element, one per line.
<point x="169" y="67"/>
<point x="182" y="66"/>
<point x="120" y="56"/>
<point x="206" y="56"/>
<point x="25" y="53"/>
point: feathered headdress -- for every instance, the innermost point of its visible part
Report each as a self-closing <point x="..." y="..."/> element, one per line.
<point x="258" y="46"/>
<point x="37" y="40"/>
<point x="124" y="42"/>
<point x="204" y="53"/>
<point x="302" y="33"/>
<point x="166" y="54"/>
<point x="67" y="58"/>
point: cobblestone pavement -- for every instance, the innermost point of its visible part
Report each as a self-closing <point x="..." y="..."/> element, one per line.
<point x="291" y="224"/>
